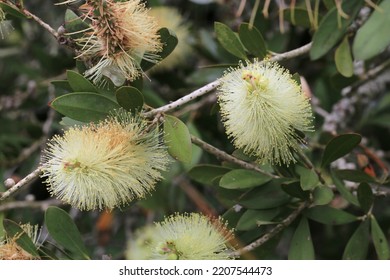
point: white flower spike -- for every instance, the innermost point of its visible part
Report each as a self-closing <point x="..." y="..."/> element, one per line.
<point x="106" y="165"/>
<point x="262" y="108"/>
<point x="191" y="237"/>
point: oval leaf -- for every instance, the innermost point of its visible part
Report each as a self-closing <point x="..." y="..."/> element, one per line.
<point x="343" y="59"/>
<point x="308" y="178"/>
<point x="301" y="247"/>
<point x="206" y="173"/>
<point x="242" y="179"/>
<point x="252" y="39"/>
<point x="329" y="32"/>
<point x="178" y="139"/>
<point x="21" y="237"/>
<point x="253" y="218"/>
<point x="63" y="230"/>
<point x="329" y="216"/>
<point x="130" y="99"/>
<point x="365" y="196"/>
<point x="380" y="241"/>
<point x="322" y="195"/>
<point x="298" y="17"/>
<point x="357" y="246"/>
<point x="84" y="106"/>
<point x="169" y="40"/>
<point x="340" y="146"/>
<point x="229" y="41"/>
<point x="79" y="83"/>
<point x="373" y="37"/>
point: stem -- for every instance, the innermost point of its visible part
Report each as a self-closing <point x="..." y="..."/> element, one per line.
<point x="29" y="178"/>
<point x="185" y="99"/>
<point x="266" y="237"/>
<point x="225" y="156"/>
<point x="40" y="22"/>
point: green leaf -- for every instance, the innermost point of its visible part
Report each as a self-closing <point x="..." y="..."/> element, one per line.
<point x="253" y="218"/>
<point x="63" y="230"/>
<point x="329" y="32"/>
<point x="357" y="246"/>
<point x="308" y="178"/>
<point x="130" y="99"/>
<point x="329" y="216"/>
<point x="242" y="179"/>
<point x="84" y="106"/>
<point x="365" y="196"/>
<point x="73" y="24"/>
<point x="322" y="195"/>
<point x="229" y="41"/>
<point x="373" y="37"/>
<point x="270" y="195"/>
<point x="354" y="175"/>
<point x="252" y="40"/>
<point x="345" y="193"/>
<point x="79" y="83"/>
<point x="169" y="40"/>
<point x="11" y="10"/>
<point x="343" y="58"/>
<point x="66" y="121"/>
<point x="178" y="139"/>
<point x="21" y="237"/>
<point x="301" y="247"/>
<point x="340" y="146"/>
<point x="380" y="241"/>
<point x="295" y="190"/>
<point x="206" y="173"/>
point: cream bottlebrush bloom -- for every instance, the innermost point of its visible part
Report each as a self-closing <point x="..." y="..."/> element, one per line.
<point x="169" y="17"/>
<point x="262" y="108"/>
<point x="191" y="237"/>
<point x="104" y="165"/>
<point x="10" y="250"/>
<point x="121" y="34"/>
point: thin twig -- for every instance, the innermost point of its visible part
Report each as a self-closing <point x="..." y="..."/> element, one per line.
<point x="29" y="178"/>
<point x="310" y="165"/>
<point x="185" y="99"/>
<point x="225" y="156"/>
<point x="40" y="22"/>
<point x="266" y="237"/>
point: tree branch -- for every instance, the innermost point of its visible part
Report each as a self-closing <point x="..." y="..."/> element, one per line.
<point x="29" y="178"/>
<point x="225" y="156"/>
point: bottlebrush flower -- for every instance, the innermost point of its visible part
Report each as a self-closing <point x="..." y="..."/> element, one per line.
<point x="10" y="250"/>
<point x="262" y="108"/>
<point x="104" y="165"/>
<point x="120" y="35"/>
<point x="191" y="237"/>
<point x="171" y="18"/>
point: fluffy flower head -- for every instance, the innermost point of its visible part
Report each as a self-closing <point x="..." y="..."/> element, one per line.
<point x="262" y="108"/>
<point x="120" y="35"/>
<point x="10" y="250"/>
<point x="191" y="237"/>
<point x="104" y="165"/>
